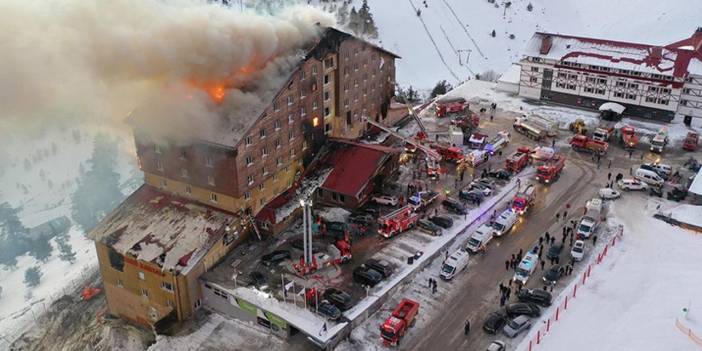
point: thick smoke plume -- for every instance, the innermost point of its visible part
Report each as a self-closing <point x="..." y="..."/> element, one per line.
<point x="97" y="61"/>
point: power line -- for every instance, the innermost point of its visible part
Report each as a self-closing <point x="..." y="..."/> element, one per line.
<point x="434" y="43"/>
<point x="457" y="52"/>
<point x="463" y="26"/>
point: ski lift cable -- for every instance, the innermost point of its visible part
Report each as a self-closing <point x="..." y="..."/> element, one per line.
<point x="455" y="51"/>
<point x="464" y="28"/>
<point x="436" y="47"/>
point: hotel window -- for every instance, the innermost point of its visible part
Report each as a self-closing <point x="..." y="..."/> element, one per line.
<point x="303" y="111"/>
<point x="213" y="197"/>
<point x="157" y="148"/>
<point x="120" y="284"/>
<point x="208" y="162"/>
<point x="262" y="133"/>
<point x="355" y="83"/>
<point x="141" y="275"/>
<point x="264" y="151"/>
<point x="210" y="180"/>
<point x="188" y="189"/>
<point x="145" y="292"/>
<point x="247" y="195"/>
<point x="355" y="66"/>
<point x="277" y="124"/>
<point x="346" y="71"/>
<point x="163" y="183"/>
<point x="264" y="172"/>
<point x="247" y="141"/>
<point x="302" y="74"/>
<point x="289" y="100"/>
<point x="346" y="102"/>
<point x="249" y="161"/>
<point x="277" y="144"/>
<point x="159" y="165"/>
<point x="260" y="187"/>
<point x="314" y="70"/>
<point x="275" y="106"/>
<point x="535" y="69"/>
<point x="327" y="111"/>
<point x="291" y="152"/>
<point x="651" y="99"/>
<point x="314" y="104"/>
<point x="250" y="179"/>
<point x="291" y="135"/>
<point x="327" y="128"/>
<point x="167" y="286"/>
<point x="326" y="79"/>
<point x="279" y="161"/>
<point x="533" y="79"/>
<point x="184" y="173"/>
<point x="326" y="96"/>
<point x="329" y="63"/>
<point x="291" y="119"/>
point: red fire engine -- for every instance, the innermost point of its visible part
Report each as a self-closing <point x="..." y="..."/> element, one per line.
<point x="523" y="200"/>
<point x="448" y="153"/>
<point x="691" y="140"/>
<point x="549" y="171"/>
<point x="584" y="143"/>
<point x="518" y="160"/>
<point x="449" y="106"/>
<point x="629" y="137"/>
<point x="397" y="221"/>
<point x="402" y="317"/>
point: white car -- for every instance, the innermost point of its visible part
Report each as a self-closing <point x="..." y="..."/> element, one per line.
<point x="632" y="184"/>
<point x="385" y="200"/>
<point x="578" y="250"/>
<point x="497" y="345"/>
<point x="609" y="194"/>
<point x="543" y="153"/>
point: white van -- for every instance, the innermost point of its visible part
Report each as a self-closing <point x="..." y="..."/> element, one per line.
<point x="480" y="238"/>
<point x="457" y="262"/>
<point x="526" y="267"/>
<point x="505" y="222"/>
<point x="649" y="177"/>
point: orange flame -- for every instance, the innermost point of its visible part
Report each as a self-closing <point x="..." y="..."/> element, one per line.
<point x="218" y="90"/>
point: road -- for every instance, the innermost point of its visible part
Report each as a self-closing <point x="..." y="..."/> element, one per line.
<point x="476" y="293"/>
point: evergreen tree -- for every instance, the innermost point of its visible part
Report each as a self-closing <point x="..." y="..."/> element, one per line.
<point x="13" y="241"/>
<point x="354" y="21"/>
<point x="441" y="88"/>
<point x="342" y="15"/>
<point x="40" y="249"/>
<point x="66" y="252"/>
<point x="98" y="190"/>
<point x="32" y="276"/>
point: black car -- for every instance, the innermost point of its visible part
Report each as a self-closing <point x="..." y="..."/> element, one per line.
<point x="327" y="309"/>
<point x="258" y="279"/>
<point x="381" y="266"/>
<point x="555" y="250"/>
<point x="677" y="194"/>
<point x="299" y="244"/>
<point x="429" y="227"/>
<point x="338" y="298"/>
<point x="471" y="195"/>
<point x="372" y="211"/>
<point x="365" y="219"/>
<point x="454" y="206"/>
<point x="537" y="296"/>
<point x="442" y="221"/>
<point x="655" y="170"/>
<point x="275" y="257"/>
<point x="526" y="308"/>
<point x="367" y="276"/>
<point x="502" y="174"/>
<point x="655" y="191"/>
<point x="553" y="274"/>
<point x="494" y="322"/>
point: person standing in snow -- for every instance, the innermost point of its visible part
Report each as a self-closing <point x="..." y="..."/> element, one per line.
<point x="594" y="240"/>
<point x="466" y="327"/>
<point x="507" y="265"/>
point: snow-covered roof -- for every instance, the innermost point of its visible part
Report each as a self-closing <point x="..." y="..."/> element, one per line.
<point x="612" y="106"/>
<point x="669" y="60"/>
<point x="695" y="66"/>
<point x="696" y="186"/>
<point x="511" y="75"/>
<point x="170" y="231"/>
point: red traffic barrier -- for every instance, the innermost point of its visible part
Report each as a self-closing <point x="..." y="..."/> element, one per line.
<point x="558" y="309"/>
<point x="565" y="306"/>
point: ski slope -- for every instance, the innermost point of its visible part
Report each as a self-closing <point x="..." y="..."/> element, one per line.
<point x="648" y="21"/>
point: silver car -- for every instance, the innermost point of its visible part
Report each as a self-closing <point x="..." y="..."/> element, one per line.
<point x="516" y="326"/>
<point x="497" y="345"/>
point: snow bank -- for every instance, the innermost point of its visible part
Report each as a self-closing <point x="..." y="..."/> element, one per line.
<point x="689" y="214"/>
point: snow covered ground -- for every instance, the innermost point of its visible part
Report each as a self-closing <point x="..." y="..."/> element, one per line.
<point x="632" y="300"/>
<point x="44" y="201"/>
<point x="654" y="22"/>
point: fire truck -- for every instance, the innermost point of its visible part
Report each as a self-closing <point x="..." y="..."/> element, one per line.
<point x="397" y="221"/>
<point x="336" y="254"/>
<point x="587" y="144"/>
<point x="448" y="153"/>
<point x="603" y="133"/>
<point x="497" y="143"/>
<point x="518" y="160"/>
<point x="523" y="200"/>
<point x="549" y="171"/>
<point x="691" y="140"/>
<point x="402" y="317"/>
<point x="422" y="199"/>
<point x="629" y="137"/>
<point x="445" y="107"/>
<point x="529" y="128"/>
<point x="466" y="123"/>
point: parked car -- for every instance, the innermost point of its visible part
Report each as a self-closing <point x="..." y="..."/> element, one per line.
<point x="336" y="227"/>
<point x="338" y="298"/>
<point x="664" y="171"/>
<point x="497" y="345"/>
<point x="578" y="250"/>
<point x="299" y="244"/>
<point x="372" y="211"/>
<point x="366" y="276"/>
<point x="555" y="250"/>
<point x="501" y="174"/>
<point x="537" y="296"/>
<point x="381" y="266"/>
<point x="454" y="206"/>
<point x="428" y="226"/>
<point x="442" y="221"/>
<point x="677" y="194"/>
<point x="632" y="184"/>
<point x="275" y="257"/>
<point x="609" y="194"/>
<point x="258" y="280"/>
<point x="553" y="274"/>
<point x="526" y="308"/>
<point x="327" y="309"/>
<point x="385" y="200"/>
<point x="482" y="185"/>
<point x="494" y="322"/>
<point x="364" y="219"/>
<point x="516" y="326"/>
<point x="474" y="195"/>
